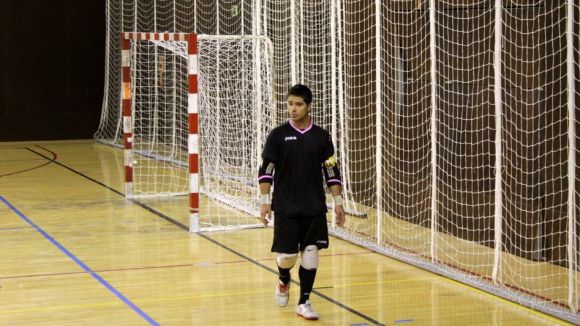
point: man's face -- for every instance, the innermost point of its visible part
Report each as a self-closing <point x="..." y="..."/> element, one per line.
<point x="297" y="108"/>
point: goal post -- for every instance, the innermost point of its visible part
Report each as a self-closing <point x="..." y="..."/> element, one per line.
<point x="454" y="124"/>
<point x="196" y="111"/>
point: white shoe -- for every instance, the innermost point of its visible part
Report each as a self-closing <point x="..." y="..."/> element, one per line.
<point x="305" y="310"/>
<point x="282" y="293"/>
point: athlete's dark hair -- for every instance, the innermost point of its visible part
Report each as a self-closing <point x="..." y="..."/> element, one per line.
<point x="302" y="91"/>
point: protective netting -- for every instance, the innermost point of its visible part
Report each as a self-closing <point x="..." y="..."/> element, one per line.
<point x="454" y="121"/>
<point x="236" y="114"/>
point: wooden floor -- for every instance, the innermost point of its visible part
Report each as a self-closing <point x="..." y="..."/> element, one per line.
<point x="73" y="251"/>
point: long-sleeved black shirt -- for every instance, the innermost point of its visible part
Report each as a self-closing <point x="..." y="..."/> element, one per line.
<point x="293" y="160"/>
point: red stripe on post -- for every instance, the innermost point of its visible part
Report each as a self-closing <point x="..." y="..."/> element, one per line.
<point x="125" y="44"/>
<point x="192" y="43"/>
<point x="126" y="108"/>
<point x="193" y="163"/>
<point x="128" y="174"/>
<point x="193" y="123"/>
<point x="192" y="81"/>
<point x="194" y="202"/>
<point x="126" y="71"/>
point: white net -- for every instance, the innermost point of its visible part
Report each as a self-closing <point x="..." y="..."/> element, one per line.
<point x="175" y="16"/>
<point x="536" y="153"/>
<point x="235" y="114"/>
<point x="160" y="120"/>
<point x="454" y="122"/>
<point x="474" y="179"/>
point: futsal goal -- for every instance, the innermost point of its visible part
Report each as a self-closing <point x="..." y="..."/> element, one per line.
<point x="196" y="111"/>
<point x="455" y="125"/>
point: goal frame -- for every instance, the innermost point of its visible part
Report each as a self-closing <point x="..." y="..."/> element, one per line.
<point x="194" y="103"/>
<point x="192" y="109"/>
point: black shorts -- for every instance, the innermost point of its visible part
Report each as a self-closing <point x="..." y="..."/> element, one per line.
<point x="293" y="234"/>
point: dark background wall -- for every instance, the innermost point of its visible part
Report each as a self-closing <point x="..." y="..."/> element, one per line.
<point x="51" y="68"/>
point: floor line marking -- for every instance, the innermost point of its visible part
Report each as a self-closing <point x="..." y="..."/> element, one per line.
<point x="216" y="242"/>
<point x="186" y="228"/>
<point x="80" y="263"/>
<point x="34" y="167"/>
<point x="16" y="228"/>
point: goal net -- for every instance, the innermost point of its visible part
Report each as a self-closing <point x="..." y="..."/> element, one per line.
<point x="455" y="124"/>
<point x="199" y="122"/>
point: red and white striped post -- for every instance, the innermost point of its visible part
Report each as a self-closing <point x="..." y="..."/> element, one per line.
<point x="193" y="139"/>
<point x="192" y="110"/>
<point x="126" y="109"/>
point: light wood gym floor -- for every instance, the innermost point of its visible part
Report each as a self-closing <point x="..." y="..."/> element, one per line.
<point x="73" y="251"/>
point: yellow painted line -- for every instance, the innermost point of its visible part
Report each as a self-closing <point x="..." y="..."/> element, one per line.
<point x="140" y="301"/>
<point x="63" y="307"/>
<point x="510" y="303"/>
<point x="206" y="296"/>
<point x="346" y="285"/>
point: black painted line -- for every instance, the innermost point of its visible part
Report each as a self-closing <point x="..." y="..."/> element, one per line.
<point x="34" y="167"/>
<point x="219" y="244"/>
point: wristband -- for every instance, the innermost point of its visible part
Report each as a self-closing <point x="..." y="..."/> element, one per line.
<point x="265" y="199"/>
<point x="337" y="200"/>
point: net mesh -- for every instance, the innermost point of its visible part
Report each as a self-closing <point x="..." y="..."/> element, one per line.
<point x="454" y="122"/>
<point x="236" y="112"/>
<point x="160" y="119"/>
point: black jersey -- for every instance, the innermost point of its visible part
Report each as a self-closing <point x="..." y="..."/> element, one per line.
<point x="294" y="161"/>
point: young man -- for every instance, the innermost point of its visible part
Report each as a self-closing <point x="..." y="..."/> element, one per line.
<point x="300" y="153"/>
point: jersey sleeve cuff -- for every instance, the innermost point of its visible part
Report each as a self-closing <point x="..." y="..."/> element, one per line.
<point x="265" y="179"/>
<point x="333" y="181"/>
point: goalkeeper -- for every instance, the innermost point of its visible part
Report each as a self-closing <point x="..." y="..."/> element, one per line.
<point x="300" y="153"/>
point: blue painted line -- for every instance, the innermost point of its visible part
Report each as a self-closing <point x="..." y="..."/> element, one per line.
<point x="404" y="321"/>
<point x="81" y="264"/>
